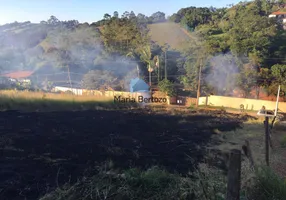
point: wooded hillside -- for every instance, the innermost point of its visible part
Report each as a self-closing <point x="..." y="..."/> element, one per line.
<point x="238" y="47"/>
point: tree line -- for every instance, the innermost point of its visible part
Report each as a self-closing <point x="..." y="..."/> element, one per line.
<point x="236" y="47"/>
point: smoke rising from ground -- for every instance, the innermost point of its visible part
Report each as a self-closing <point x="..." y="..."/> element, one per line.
<point x="54" y="50"/>
<point x="222" y="76"/>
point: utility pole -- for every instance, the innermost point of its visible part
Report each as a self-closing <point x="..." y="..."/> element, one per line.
<point x="150" y="71"/>
<point x="138" y="71"/>
<point x="166" y="63"/>
<point x="158" y="65"/>
<point x="267" y="137"/>
<point x="69" y="76"/>
<point x="199" y="84"/>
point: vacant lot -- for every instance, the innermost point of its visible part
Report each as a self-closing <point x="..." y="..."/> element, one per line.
<point x="41" y="151"/>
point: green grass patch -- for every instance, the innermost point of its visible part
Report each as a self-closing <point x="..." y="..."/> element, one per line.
<point x="267" y="185"/>
<point x="154" y="183"/>
<point x="283" y="141"/>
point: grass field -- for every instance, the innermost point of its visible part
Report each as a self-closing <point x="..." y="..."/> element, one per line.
<point x="170" y="33"/>
<point x="38" y="101"/>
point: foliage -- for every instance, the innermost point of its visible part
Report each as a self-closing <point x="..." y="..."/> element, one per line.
<point x="246" y="80"/>
<point x="121" y="35"/>
<point x="283" y="141"/>
<point x="268" y="185"/>
<point x="95" y="79"/>
<point x="279" y="74"/>
<point x="244" y="29"/>
<point x="154" y="183"/>
<point x="167" y="87"/>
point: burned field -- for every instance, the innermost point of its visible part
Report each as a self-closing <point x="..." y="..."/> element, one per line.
<point x="43" y="150"/>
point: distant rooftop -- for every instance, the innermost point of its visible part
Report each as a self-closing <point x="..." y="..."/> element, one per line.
<point x="281" y="11"/>
<point x="18" y="74"/>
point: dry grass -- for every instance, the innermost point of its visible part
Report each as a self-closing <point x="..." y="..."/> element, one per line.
<point x="50" y="96"/>
<point x="170" y="33"/>
<point x="40" y="101"/>
<point x="263" y="183"/>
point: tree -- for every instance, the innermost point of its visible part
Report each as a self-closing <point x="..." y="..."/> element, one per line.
<point x="146" y="55"/>
<point x="115" y="14"/>
<point x="106" y="16"/>
<point x="265" y="80"/>
<point x="158" y="17"/>
<point x="193" y="56"/>
<point x="125" y="15"/>
<point x="95" y="79"/>
<point x="247" y="80"/>
<point x="53" y="20"/>
<point x="121" y="36"/>
<point x="167" y="87"/>
<point x="251" y="32"/>
<point x="142" y="19"/>
<point x="279" y="75"/>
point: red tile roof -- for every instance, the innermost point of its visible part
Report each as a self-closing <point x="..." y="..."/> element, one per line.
<point x="279" y="13"/>
<point x="18" y="74"/>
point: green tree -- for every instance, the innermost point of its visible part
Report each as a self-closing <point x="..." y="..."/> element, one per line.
<point x="95" y="79"/>
<point x="167" y="87"/>
<point x="121" y="36"/>
<point x="251" y="32"/>
<point x="115" y="14"/>
<point x="279" y="75"/>
<point x="247" y="80"/>
<point x="194" y="55"/>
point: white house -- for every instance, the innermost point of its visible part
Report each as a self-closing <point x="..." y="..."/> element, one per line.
<point x="280" y="15"/>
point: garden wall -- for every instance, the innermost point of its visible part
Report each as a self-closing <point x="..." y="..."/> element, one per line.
<point x="233" y="102"/>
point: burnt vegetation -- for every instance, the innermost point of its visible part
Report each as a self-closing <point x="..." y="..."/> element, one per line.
<point x="43" y="151"/>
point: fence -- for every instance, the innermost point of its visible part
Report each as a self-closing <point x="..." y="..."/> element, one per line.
<point x="249" y="104"/>
<point x="186" y="101"/>
<point x="110" y="94"/>
<point x="66" y="89"/>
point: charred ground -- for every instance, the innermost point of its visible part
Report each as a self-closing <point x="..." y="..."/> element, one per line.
<point x="42" y="150"/>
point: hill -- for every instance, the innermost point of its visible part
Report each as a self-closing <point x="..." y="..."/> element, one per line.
<point x="170" y="33"/>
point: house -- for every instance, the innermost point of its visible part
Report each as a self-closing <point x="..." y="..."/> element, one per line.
<point x="280" y="15"/>
<point x="44" y="78"/>
<point x="18" y="77"/>
<point x="138" y="85"/>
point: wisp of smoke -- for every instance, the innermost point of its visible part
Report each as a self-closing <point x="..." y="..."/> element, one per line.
<point x="223" y="71"/>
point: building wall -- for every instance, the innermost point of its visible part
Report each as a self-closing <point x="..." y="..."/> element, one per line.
<point x="65" y="89"/>
<point x="110" y="94"/>
<point x="249" y="104"/>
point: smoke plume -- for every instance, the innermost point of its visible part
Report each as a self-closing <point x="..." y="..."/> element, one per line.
<point x="223" y="71"/>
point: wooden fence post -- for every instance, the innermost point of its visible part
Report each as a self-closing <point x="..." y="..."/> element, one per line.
<point x="233" y="176"/>
<point x="266" y="124"/>
<point x="248" y="153"/>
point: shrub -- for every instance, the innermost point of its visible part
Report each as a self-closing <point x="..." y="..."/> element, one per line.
<point x="167" y="87"/>
<point x="283" y="141"/>
<point x="268" y="185"/>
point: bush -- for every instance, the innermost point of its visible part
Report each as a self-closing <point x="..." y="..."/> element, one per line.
<point x="283" y="142"/>
<point x="268" y="185"/>
<point x="167" y="87"/>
